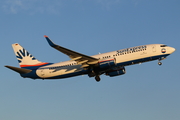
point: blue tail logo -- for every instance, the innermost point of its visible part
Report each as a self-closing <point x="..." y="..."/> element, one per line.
<point x="22" y="54"/>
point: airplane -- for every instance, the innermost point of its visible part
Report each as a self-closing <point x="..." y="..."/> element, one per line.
<point x="110" y="63"/>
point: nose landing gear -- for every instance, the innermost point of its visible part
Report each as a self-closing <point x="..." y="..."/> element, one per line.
<point x="162" y="58"/>
<point x="159" y="63"/>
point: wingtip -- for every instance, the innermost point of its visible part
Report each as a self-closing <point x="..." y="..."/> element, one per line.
<point x="45" y="36"/>
<point x="49" y="41"/>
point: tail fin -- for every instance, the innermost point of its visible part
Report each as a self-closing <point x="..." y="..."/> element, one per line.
<point x="25" y="59"/>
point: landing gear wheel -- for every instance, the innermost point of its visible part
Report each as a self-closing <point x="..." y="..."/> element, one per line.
<point x="97" y="78"/>
<point x="159" y="63"/>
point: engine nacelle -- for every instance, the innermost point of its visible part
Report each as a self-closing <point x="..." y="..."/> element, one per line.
<point x="116" y="71"/>
<point x="107" y="63"/>
<point x="102" y="66"/>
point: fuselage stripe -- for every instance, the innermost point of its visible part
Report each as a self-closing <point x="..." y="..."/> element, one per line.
<point x="40" y="64"/>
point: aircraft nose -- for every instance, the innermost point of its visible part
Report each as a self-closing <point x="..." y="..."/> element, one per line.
<point x="172" y="49"/>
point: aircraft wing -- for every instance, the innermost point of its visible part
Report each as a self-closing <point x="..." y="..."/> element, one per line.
<point x="82" y="59"/>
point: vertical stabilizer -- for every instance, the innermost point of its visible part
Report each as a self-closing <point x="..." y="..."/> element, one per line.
<point x="24" y="58"/>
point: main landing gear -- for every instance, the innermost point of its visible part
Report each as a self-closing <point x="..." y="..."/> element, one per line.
<point x="97" y="78"/>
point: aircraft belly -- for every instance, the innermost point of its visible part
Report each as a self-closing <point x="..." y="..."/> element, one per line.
<point x="46" y="73"/>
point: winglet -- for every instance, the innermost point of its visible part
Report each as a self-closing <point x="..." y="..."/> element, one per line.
<point x="49" y="41"/>
<point x="45" y="36"/>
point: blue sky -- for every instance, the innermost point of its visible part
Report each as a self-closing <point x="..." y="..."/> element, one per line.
<point x="146" y="91"/>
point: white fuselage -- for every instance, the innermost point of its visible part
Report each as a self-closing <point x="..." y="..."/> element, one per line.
<point x="122" y="57"/>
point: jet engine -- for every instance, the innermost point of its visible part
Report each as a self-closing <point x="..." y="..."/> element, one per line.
<point x="116" y="71"/>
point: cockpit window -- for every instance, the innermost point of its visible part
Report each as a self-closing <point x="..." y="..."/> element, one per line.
<point x="163" y="45"/>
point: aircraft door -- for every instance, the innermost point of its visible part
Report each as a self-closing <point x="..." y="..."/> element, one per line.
<point x="154" y="48"/>
<point x="42" y="73"/>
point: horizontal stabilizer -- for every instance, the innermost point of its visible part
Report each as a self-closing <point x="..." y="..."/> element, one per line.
<point x="19" y="70"/>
